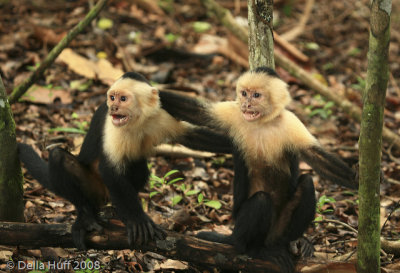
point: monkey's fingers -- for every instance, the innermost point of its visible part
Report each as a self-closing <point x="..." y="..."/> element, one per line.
<point x="94" y="226"/>
<point x="132" y="233"/>
<point x="78" y="236"/>
<point x="146" y="233"/>
<point x="139" y="238"/>
<point x="159" y="233"/>
<point x="151" y="230"/>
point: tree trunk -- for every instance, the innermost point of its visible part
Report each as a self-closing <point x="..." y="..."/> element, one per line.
<point x="261" y="39"/>
<point x="371" y="137"/>
<point x="11" y="192"/>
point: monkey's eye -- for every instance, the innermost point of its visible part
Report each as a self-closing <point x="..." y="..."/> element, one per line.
<point x="256" y="95"/>
<point x="112" y="98"/>
<point x="244" y="93"/>
<point x="123" y="98"/>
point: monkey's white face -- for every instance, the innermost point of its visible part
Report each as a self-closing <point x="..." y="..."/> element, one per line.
<point x="120" y="107"/>
<point x="251" y="102"/>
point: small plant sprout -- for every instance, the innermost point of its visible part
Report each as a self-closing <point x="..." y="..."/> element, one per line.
<point x="159" y="184"/>
<point x="322" y="201"/>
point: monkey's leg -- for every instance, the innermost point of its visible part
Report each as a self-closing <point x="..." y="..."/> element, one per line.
<point x="302" y="216"/>
<point x="67" y="177"/>
<point x="252" y="226"/>
<point x="253" y="221"/>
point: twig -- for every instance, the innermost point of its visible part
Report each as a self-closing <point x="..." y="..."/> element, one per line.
<point x="392" y="247"/>
<point x="290" y="48"/>
<point x="293" y="33"/>
<point x="338" y="223"/>
<point x="38" y="73"/>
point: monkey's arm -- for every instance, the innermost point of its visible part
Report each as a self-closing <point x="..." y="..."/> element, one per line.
<point x="329" y="166"/>
<point x="186" y="108"/>
<point x="205" y="139"/>
<point x="123" y="190"/>
<point x="90" y="150"/>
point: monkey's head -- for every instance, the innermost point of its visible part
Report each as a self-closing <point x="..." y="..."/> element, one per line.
<point x="261" y="95"/>
<point x="131" y="100"/>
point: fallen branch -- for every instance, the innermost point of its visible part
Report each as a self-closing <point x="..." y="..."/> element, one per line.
<point x="226" y="19"/>
<point x="53" y="54"/>
<point x="176" y="246"/>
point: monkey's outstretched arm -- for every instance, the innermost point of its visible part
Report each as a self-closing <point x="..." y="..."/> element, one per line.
<point x="329" y="166"/>
<point x="186" y="108"/>
<point x="206" y="139"/>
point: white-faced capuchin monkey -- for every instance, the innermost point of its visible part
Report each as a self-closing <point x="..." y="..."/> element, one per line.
<point x="112" y="162"/>
<point x="273" y="204"/>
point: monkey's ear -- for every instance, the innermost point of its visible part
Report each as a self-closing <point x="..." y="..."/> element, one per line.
<point x="154" y="91"/>
<point x="154" y="96"/>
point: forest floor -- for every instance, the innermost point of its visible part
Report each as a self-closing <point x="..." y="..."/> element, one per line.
<point x="179" y="47"/>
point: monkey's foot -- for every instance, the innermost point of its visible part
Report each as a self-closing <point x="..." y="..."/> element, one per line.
<point x="302" y="248"/>
<point x="143" y="229"/>
<point x="278" y="255"/>
<point x="80" y="228"/>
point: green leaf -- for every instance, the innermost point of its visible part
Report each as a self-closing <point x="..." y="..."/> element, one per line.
<point x="201" y="27"/>
<point x="319" y="218"/>
<point x="176" y="200"/>
<point x="192" y="192"/>
<point x="200" y="198"/>
<point x="153" y="193"/>
<point x="105" y="23"/>
<point x="170" y="37"/>
<point x="329" y="104"/>
<point x="312" y="46"/>
<point x="174" y="180"/>
<point x="156" y="178"/>
<point x="80" y="85"/>
<point x="213" y="204"/>
<point x="67" y="130"/>
<point x="170" y="173"/>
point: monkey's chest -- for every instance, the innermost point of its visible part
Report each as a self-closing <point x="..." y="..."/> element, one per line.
<point x="272" y="180"/>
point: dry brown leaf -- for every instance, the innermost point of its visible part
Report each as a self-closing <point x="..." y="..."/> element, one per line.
<point x="102" y="69"/>
<point x="173" y="264"/>
<point x="210" y="44"/>
<point x="40" y="94"/>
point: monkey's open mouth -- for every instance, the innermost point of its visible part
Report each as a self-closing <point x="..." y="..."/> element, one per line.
<point x="119" y="120"/>
<point x="251" y="115"/>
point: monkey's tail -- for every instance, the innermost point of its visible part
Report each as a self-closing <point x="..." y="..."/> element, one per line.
<point x="215" y="237"/>
<point x="36" y="166"/>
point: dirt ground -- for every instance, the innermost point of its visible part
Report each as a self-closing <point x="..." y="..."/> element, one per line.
<point x="178" y="46"/>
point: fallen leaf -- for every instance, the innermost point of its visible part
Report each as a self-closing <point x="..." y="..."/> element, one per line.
<point x="102" y="69"/>
<point x="40" y="94"/>
<point x="173" y="264"/>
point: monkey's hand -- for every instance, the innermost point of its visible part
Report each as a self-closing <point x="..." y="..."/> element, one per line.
<point x="142" y="229"/>
<point x="82" y="225"/>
